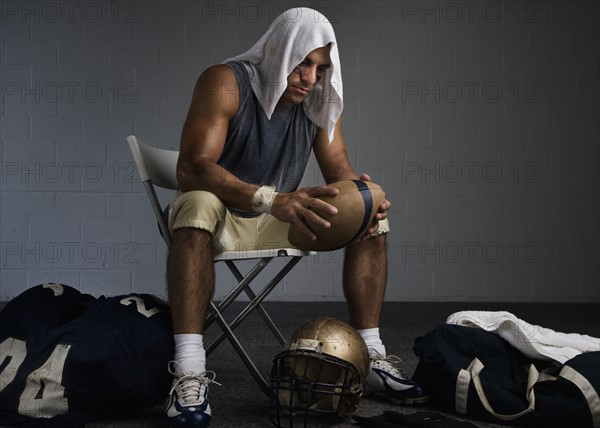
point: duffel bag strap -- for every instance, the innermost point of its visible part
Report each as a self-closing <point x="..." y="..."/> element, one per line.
<point x="584" y="385"/>
<point x="471" y="373"/>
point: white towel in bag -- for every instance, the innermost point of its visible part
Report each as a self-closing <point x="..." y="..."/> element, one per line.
<point x="532" y="340"/>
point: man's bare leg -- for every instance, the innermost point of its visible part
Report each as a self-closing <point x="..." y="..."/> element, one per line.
<point x="190" y="279"/>
<point x="191" y="284"/>
<point x="365" y="278"/>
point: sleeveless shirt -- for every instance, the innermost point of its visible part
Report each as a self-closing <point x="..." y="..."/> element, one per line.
<point x="262" y="151"/>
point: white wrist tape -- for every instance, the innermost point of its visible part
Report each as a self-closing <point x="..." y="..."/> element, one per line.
<point x="262" y="201"/>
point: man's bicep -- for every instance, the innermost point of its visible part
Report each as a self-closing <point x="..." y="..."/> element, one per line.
<point x="212" y="107"/>
<point x="203" y="136"/>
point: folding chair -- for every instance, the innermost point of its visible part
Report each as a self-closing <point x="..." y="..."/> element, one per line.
<point x="156" y="167"/>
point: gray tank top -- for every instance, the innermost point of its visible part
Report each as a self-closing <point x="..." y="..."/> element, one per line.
<point x="262" y="151"/>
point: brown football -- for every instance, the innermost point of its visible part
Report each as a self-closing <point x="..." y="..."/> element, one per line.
<point x="357" y="202"/>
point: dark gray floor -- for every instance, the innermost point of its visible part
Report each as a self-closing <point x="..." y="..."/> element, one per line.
<point x="240" y="403"/>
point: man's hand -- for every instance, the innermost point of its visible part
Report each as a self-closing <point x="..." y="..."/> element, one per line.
<point x="381" y="213"/>
<point x="302" y="208"/>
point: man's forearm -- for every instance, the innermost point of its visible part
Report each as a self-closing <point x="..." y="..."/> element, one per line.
<point x="211" y="177"/>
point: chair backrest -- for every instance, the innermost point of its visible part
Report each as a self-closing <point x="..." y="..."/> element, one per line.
<point x="157" y="165"/>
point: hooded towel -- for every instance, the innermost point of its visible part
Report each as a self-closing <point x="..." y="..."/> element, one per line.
<point x="290" y="38"/>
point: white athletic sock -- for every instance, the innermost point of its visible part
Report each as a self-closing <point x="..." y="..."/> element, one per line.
<point x="189" y="353"/>
<point x="373" y="341"/>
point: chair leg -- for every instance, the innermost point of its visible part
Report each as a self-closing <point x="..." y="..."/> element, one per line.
<point x="272" y="284"/>
<point x="243" y="282"/>
<point x="262" y="383"/>
<point x="256" y="304"/>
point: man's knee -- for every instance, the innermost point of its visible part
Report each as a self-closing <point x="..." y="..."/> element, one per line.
<point x="192" y="237"/>
<point x="189" y="245"/>
<point x="376" y="242"/>
<point x="373" y="247"/>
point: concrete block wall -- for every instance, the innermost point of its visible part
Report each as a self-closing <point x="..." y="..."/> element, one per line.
<point x="480" y="119"/>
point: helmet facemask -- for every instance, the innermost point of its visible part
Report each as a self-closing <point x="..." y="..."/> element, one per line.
<point x="310" y="385"/>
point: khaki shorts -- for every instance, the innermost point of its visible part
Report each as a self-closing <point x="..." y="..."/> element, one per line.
<point x="204" y="210"/>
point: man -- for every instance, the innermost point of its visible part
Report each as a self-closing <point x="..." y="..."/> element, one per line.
<point x="246" y="141"/>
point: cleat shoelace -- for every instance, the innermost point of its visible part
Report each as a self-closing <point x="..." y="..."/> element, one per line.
<point x="190" y="386"/>
<point x="391" y="363"/>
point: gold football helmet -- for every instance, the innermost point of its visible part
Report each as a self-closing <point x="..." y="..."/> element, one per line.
<point x="322" y="372"/>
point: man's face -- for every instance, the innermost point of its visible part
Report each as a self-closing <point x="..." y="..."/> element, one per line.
<point x="306" y="75"/>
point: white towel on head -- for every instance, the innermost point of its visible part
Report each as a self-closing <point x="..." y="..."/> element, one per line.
<point x="290" y="38"/>
<point x="532" y="340"/>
